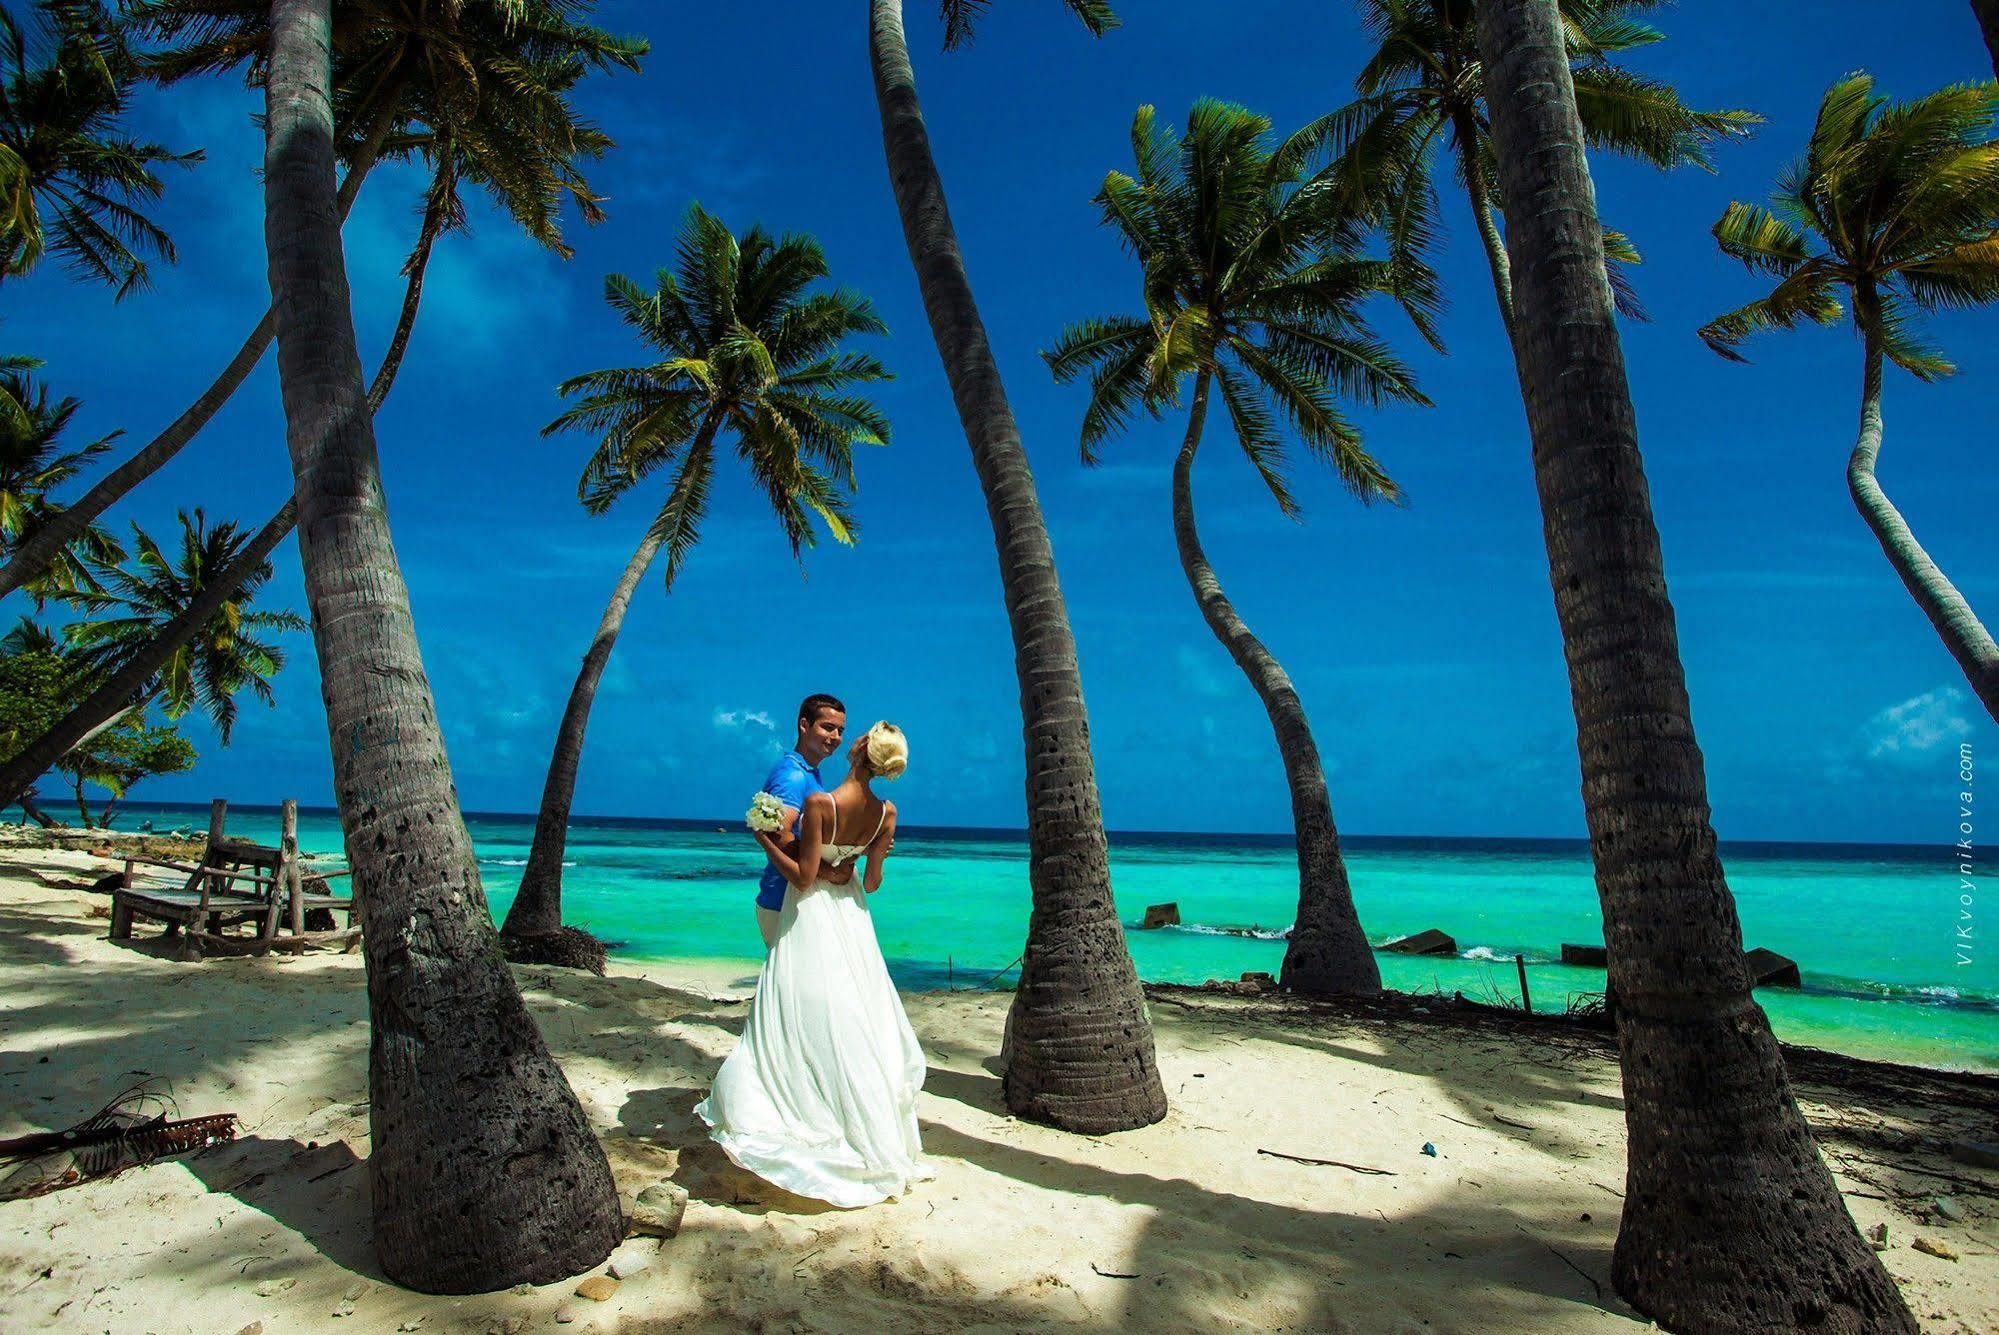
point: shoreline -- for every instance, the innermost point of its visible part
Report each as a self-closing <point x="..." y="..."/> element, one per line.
<point x="1234" y="1211"/>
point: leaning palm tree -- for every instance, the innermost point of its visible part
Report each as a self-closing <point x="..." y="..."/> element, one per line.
<point x="1078" y="1047"/>
<point x="1897" y="205"/>
<point x="122" y="616"/>
<point x="1731" y="1221"/>
<point x="1423" y="92"/>
<point x="484" y="1171"/>
<point x="742" y="349"/>
<point x="1987" y="14"/>
<point x="479" y="90"/>
<point x="72" y="184"/>
<point x="34" y="465"/>
<point x="1251" y="289"/>
<point x="178" y="630"/>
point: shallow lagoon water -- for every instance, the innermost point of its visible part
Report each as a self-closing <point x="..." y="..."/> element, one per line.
<point x="1873" y="928"/>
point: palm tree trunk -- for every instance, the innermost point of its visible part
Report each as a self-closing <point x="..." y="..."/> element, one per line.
<point x="1328" y="952"/>
<point x="1987" y="13"/>
<point x="117" y="692"/>
<point x="1963" y="634"/>
<point x="484" y="1170"/>
<point x="64" y="528"/>
<point x="1731" y="1221"/>
<point x="35" y="813"/>
<point x="1480" y="191"/>
<point x="536" y="912"/>
<point x="1079" y="1051"/>
<point x="433" y="224"/>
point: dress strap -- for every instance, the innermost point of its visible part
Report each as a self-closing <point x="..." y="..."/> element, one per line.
<point x="836" y="815"/>
<point x="883" y="820"/>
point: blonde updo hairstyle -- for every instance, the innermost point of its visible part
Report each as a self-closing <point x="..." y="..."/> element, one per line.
<point x="884" y="750"/>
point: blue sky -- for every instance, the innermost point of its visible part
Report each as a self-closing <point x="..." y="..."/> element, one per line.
<point x="1423" y="640"/>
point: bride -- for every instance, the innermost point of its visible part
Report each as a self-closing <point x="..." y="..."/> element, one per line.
<point x="819" y="1096"/>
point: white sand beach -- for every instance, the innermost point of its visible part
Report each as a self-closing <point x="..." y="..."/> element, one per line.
<point x="1187" y="1225"/>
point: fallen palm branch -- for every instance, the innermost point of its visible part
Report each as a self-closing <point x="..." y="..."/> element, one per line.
<point x="129" y="1132"/>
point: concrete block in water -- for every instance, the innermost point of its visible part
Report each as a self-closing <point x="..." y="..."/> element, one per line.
<point x="1769" y="969"/>
<point x="1430" y="942"/>
<point x="1161" y="915"/>
<point x="1588" y="956"/>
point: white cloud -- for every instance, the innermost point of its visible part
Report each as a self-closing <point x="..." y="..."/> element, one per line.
<point x="1918" y="726"/>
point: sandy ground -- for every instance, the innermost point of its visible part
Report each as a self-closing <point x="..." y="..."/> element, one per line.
<point x="1187" y="1225"/>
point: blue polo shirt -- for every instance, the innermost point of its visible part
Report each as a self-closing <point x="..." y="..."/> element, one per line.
<point x="791" y="781"/>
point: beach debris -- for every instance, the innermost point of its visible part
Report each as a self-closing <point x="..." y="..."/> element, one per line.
<point x="345" y="1309"/>
<point x="1112" y="1274"/>
<point x="631" y="1258"/>
<point x="1948" y="1207"/>
<point x="271" y="1288"/>
<point x="1329" y="1163"/>
<point x="356" y="1291"/>
<point x="566" y="1314"/>
<point x="597" y="1288"/>
<point x="1936" y="1249"/>
<point x="1429" y="1149"/>
<point x="411" y="1324"/>
<point x="128" y="1132"/>
<point x="254" y="1328"/>
<point x="1431" y="941"/>
<point x="1255" y="984"/>
<point x="1160" y="915"/>
<point x="1588" y="957"/>
<point x="658" y="1210"/>
<point x="1769" y="969"/>
<point x="1977" y="1153"/>
<point x="1877" y="1237"/>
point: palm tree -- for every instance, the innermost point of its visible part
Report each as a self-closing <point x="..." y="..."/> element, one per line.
<point x="1078" y="1047"/>
<point x="1897" y="206"/>
<point x="742" y="348"/>
<point x="34" y="464"/>
<point x="1731" y="1221"/>
<point x="1250" y="288"/>
<point x="484" y="1170"/>
<point x="1424" y="89"/>
<point x="225" y="657"/>
<point x="71" y="183"/>
<point x="137" y="670"/>
<point x="479" y="91"/>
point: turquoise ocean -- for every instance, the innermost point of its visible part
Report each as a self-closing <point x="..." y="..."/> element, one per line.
<point x="1872" y="927"/>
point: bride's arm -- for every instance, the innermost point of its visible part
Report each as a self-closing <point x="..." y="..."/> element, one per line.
<point x="884" y="844"/>
<point x="811" y="843"/>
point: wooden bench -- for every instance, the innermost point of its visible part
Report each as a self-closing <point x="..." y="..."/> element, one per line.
<point x="237" y="882"/>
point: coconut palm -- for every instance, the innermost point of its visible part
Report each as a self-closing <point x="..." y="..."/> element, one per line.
<point x="228" y="655"/>
<point x="743" y="350"/>
<point x="1731" y="1221"/>
<point x="1423" y="91"/>
<point x="1250" y="289"/>
<point x="178" y="630"/>
<point x="1897" y="206"/>
<point x="484" y="1170"/>
<point x="1078" y="1047"/>
<point x="479" y="90"/>
<point x="1987" y="14"/>
<point x="34" y="464"/>
<point x="71" y="183"/>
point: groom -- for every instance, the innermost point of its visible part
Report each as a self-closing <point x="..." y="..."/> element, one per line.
<point x="822" y="722"/>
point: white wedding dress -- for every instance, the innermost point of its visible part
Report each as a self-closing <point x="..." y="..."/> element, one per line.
<point x="819" y="1096"/>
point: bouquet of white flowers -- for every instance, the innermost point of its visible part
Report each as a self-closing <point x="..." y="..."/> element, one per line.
<point x="766" y="813"/>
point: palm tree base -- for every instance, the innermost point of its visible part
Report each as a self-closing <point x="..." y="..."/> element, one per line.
<point x="1314" y="972"/>
<point x="1731" y="1221"/>
<point x="565" y="947"/>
